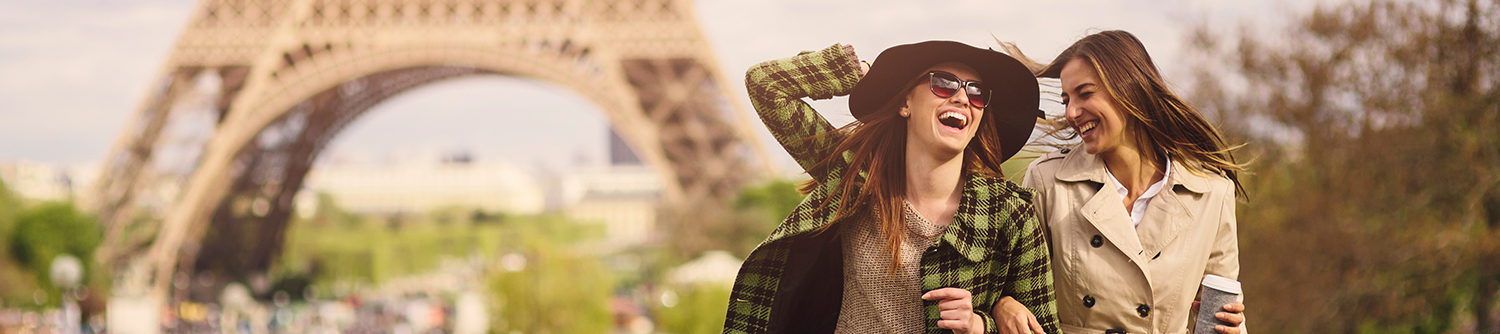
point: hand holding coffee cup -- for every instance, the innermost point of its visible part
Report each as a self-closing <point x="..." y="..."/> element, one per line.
<point x="1217" y="291"/>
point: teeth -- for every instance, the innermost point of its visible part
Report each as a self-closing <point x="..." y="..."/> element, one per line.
<point x="1087" y="127"/>
<point x="962" y="120"/>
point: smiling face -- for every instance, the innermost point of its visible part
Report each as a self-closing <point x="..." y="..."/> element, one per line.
<point x="937" y="125"/>
<point x="1090" y="109"/>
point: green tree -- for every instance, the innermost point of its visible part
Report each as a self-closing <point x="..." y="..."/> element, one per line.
<point x="561" y="286"/>
<point x="16" y="284"/>
<point x="736" y="227"/>
<point x="546" y="284"/>
<point x="1376" y="203"/>
<point x="47" y="230"/>
<point x="10" y="207"/>
<point x="697" y="309"/>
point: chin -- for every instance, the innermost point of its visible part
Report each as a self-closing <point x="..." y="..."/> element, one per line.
<point x="949" y="149"/>
<point x="1091" y="148"/>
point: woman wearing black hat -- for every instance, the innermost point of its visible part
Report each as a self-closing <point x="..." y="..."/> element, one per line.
<point x="907" y="226"/>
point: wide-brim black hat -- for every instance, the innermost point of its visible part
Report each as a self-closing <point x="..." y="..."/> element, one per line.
<point x="1013" y="103"/>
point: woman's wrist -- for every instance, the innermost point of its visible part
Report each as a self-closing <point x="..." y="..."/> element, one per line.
<point x="851" y="57"/>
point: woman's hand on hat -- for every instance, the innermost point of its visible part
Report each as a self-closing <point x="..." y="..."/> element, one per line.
<point x="956" y="310"/>
<point x="1013" y="318"/>
<point x="864" y="67"/>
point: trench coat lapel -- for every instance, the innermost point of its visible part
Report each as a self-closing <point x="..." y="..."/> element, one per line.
<point x="1168" y="214"/>
<point x="1165" y="217"/>
<point x="1103" y="210"/>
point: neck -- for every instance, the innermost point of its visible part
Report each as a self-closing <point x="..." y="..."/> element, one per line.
<point x="1135" y="170"/>
<point x="933" y="184"/>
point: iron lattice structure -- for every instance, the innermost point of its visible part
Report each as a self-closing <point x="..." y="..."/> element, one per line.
<point x="275" y="80"/>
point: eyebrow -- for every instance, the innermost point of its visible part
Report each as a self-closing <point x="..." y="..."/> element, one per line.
<point x="1080" y="86"/>
<point x="1076" y="88"/>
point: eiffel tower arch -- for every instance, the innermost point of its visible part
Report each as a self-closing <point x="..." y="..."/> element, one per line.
<point x="288" y="75"/>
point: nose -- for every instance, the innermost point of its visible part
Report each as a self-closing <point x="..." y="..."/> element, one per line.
<point x="960" y="97"/>
<point x="1072" y="111"/>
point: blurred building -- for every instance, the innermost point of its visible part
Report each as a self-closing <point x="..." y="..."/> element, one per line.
<point x="46" y="181"/>
<point x="624" y="199"/>
<point x="620" y="153"/>
<point x="417" y="187"/>
<point x="623" y="196"/>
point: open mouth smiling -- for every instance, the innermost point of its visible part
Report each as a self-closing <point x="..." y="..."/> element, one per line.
<point x="954" y="120"/>
<point x="1087" y="127"/>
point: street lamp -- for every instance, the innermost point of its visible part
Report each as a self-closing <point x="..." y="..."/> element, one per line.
<point x="67" y="272"/>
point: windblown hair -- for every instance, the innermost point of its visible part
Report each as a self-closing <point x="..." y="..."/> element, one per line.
<point x="875" y="181"/>
<point x="1158" y="118"/>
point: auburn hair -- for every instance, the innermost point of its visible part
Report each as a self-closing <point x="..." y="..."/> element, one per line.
<point x="876" y="175"/>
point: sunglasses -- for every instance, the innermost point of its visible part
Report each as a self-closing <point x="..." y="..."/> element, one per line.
<point x="946" y="84"/>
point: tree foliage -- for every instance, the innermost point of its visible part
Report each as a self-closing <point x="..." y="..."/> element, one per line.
<point x="1376" y="196"/>
<point x="558" y="289"/>
<point x="16" y="284"/>
<point x="737" y="227"/>
<point x="44" y="231"/>
<point x="699" y="309"/>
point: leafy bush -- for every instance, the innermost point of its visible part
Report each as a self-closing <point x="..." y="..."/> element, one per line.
<point x="47" y="230"/>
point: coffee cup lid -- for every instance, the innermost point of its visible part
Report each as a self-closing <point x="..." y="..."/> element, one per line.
<point x="1221" y="283"/>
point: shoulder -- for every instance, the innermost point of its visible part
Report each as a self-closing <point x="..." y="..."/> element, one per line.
<point x="997" y="189"/>
<point x="1045" y="167"/>
<point x="1222" y="188"/>
<point x="1213" y="188"/>
<point x="1053" y="158"/>
<point x="1213" y="182"/>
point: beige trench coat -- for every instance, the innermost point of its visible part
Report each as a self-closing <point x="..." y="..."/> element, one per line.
<point x="1109" y="275"/>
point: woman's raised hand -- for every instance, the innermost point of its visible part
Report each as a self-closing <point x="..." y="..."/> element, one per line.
<point x="956" y="310"/>
<point x="1014" y="318"/>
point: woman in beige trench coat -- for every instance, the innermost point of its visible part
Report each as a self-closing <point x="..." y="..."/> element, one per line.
<point x="1140" y="210"/>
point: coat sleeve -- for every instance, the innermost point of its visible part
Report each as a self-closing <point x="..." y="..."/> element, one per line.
<point x="1029" y="279"/>
<point x="1224" y="260"/>
<point x="1033" y="180"/>
<point x="777" y="88"/>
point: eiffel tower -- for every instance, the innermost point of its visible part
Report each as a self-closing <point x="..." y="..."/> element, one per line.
<point x="291" y="74"/>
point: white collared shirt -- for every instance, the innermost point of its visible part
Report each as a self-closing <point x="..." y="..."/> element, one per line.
<point x="1138" y="210"/>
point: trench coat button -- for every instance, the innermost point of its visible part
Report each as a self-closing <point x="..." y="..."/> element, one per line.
<point x="1143" y="310"/>
<point x="1114" y="331"/>
<point x="1097" y="241"/>
<point x="932" y="250"/>
<point x="1088" y="301"/>
<point x="1066" y="150"/>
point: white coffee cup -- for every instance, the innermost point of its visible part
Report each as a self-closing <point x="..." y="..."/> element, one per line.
<point x="1216" y="292"/>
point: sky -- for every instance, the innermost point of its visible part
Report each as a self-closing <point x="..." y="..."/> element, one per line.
<point x="73" y="71"/>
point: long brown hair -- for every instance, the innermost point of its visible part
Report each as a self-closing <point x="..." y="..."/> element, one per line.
<point x="1161" y="120"/>
<point x="876" y="175"/>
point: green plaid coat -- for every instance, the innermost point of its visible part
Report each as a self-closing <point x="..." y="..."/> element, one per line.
<point x="793" y="281"/>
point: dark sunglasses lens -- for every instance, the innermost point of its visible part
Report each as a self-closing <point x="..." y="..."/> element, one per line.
<point x="979" y="95"/>
<point x="943" y="85"/>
